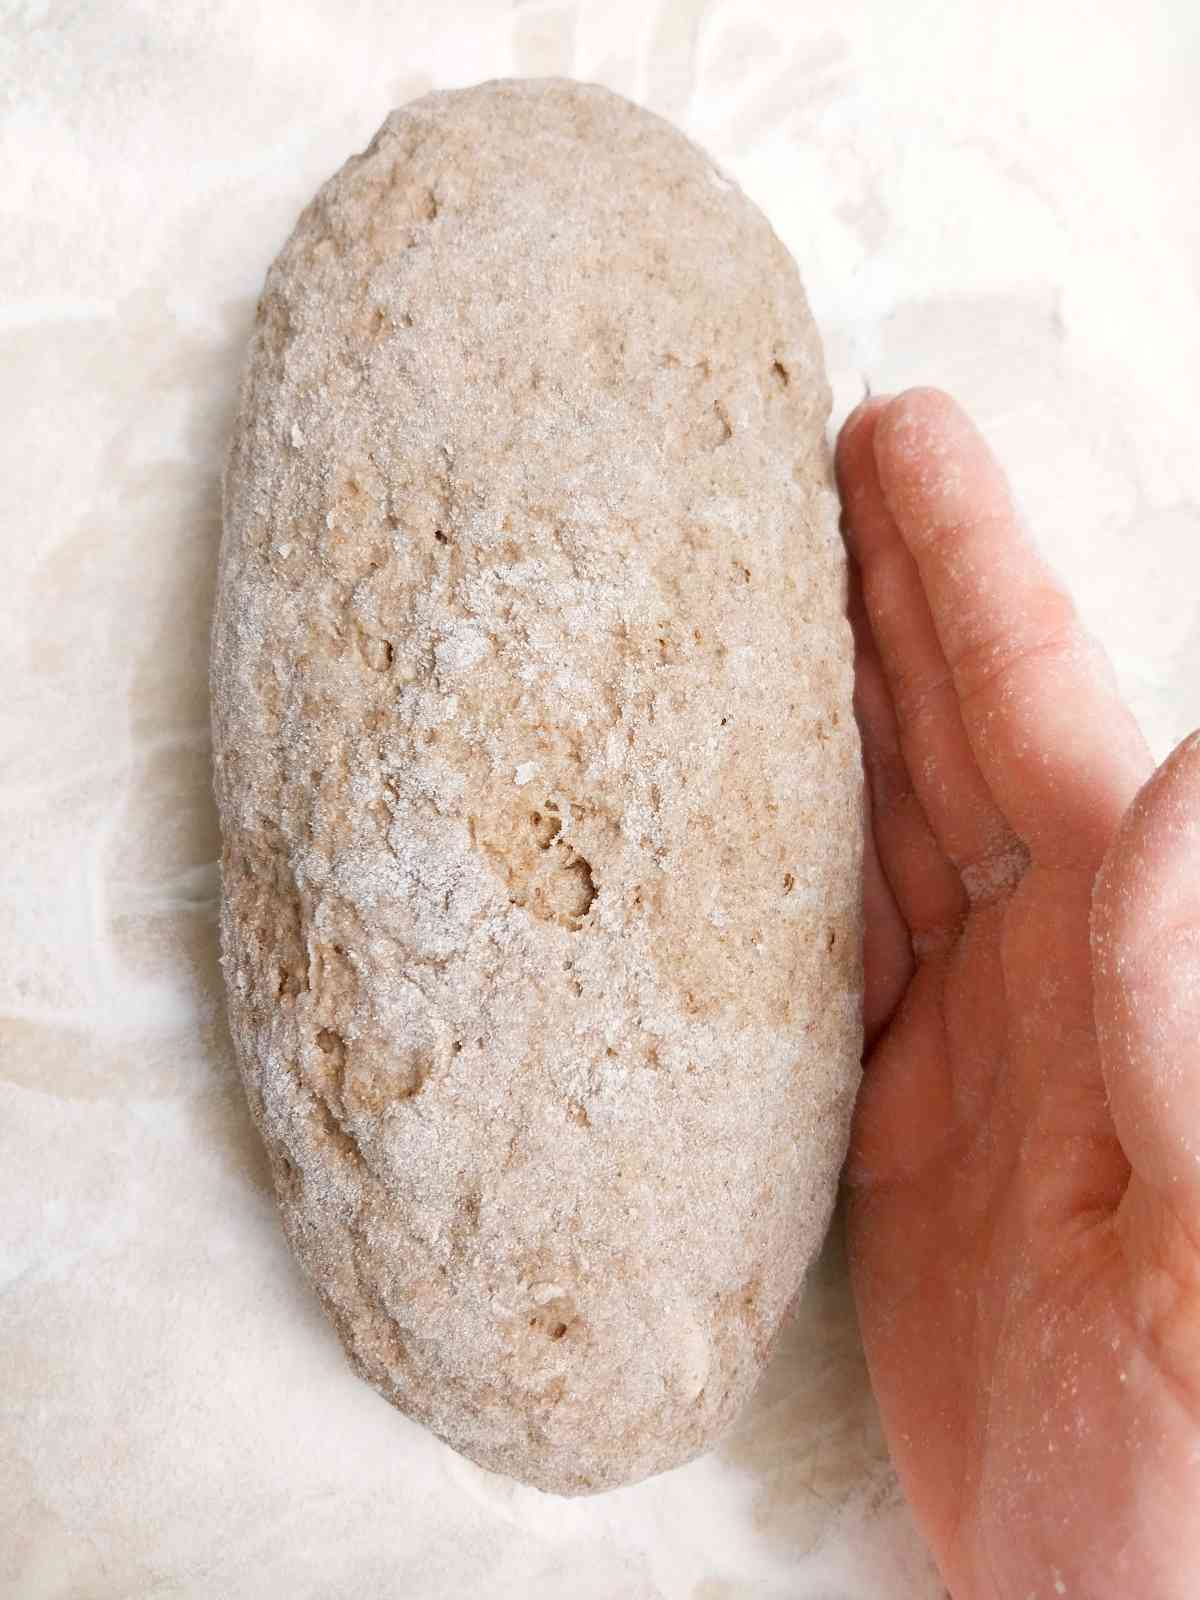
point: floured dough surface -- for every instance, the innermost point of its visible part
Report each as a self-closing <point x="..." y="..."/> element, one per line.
<point x="538" y="777"/>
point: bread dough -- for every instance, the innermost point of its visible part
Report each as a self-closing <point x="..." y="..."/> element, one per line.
<point x="538" y="778"/>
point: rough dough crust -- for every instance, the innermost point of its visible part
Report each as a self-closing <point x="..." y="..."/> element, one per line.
<point x="538" y="777"/>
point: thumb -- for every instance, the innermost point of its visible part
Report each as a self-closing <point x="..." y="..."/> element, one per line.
<point x="1146" y="963"/>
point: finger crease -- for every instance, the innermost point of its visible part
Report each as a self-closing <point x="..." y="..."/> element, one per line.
<point x="973" y="680"/>
<point x="912" y="703"/>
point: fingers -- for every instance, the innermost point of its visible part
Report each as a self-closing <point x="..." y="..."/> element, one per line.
<point x="887" y="942"/>
<point x="964" y="818"/>
<point x="1146" y="952"/>
<point x="924" y="885"/>
<point x="887" y="947"/>
<point x="1056" y="747"/>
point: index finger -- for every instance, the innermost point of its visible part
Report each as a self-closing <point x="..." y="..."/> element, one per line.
<point x="1058" y="748"/>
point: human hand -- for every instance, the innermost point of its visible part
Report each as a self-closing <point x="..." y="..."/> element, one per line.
<point x="1025" y="1168"/>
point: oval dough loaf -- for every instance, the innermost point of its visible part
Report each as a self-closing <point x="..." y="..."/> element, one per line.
<point x="538" y="779"/>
